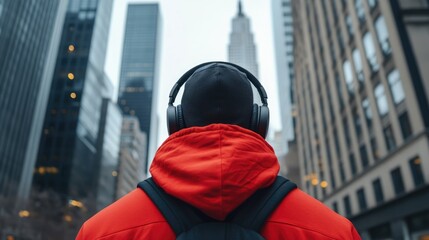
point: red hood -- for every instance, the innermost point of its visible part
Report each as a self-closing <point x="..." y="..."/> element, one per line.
<point x="214" y="168"/>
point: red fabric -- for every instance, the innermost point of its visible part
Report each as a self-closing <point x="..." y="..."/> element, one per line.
<point x="215" y="168"/>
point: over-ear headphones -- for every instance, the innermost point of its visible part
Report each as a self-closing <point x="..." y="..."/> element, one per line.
<point x="260" y="115"/>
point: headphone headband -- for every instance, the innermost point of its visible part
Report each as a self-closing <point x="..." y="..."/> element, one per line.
<point x="175" y="90"/>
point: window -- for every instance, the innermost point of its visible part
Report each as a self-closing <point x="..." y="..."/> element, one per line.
<point x="370" y="52"/>
<point x="378" y="191"/>
<point x="335" y="206"/>
<point x="349" y="25"/>
<point x="389" y="138"/>
<point x="398" y="183"/>
<point x="383" y="35"/>
<point x="339" y="90"/>
<point x="347" y="206"/>
<point x="416" y="169"/>
<point x="395" y="83"/>
<point x="361" y="199"/>
<point x="381" y="232"/>
<point x="342" y="173"/>
<point x="372" y="3"/>
<point x="364" y="156"/>
<point x="374" y="148"/>
<point x="368" y="113"/>
<point x="404" y="122"/>
<point x="352" y="163"/>
<point x="380" y="97"/>
<point x="346" y="132"/>
<point x="357" y="123"/>
<point x="360" y="11"/>
<point x="348" y="75"/>
<point x="358" y="65"/>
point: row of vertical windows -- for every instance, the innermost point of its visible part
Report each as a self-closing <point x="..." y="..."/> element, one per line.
<point x="398" y="186"/>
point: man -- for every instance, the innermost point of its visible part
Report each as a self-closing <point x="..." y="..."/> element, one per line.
<point x="216" y="158"/>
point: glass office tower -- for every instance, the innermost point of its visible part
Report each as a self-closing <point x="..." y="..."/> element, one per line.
<point x="29" y="37"/>
<point x="139" y="71"/>
<point x="67" y="163"/>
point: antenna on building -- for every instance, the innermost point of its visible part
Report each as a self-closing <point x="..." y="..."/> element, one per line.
<point x="240" y="11"/>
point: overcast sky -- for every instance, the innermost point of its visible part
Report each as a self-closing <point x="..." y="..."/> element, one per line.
<point x="196" y="31"/>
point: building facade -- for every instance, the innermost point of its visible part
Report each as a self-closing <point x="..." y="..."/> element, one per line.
<point x="132" y="156"/>
<point x="108" y="144"/>
<point x="138" y="87"/>
<point x="242" y="48"/>
<point x="29" y="38"/>
<point x="361" y="72"/>
<point x="67" y="155"/>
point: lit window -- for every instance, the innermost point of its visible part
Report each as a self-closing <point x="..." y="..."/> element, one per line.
<point x="372" y="3"/>
<point x="348" y="75"/>
<point x="324" y="184"/>
<point x="360" y="11"/>
<point x="383" y="108"/>
<point x="358" y="64"/>
<point x="383" y="35"/>
<point x="70" y="76"/>
<point x="396" y="86"/>
<point x="71" y="48"/>
<point x="73" y="95"/>
<point x="370" y="52"/>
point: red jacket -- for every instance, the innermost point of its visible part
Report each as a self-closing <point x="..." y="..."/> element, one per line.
<point x="215" y="168"/>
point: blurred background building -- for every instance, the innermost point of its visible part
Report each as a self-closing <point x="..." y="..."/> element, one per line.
<point x="107" y="158"/>
<point x="139" y="78"/>
<point x="283" y="44"/>
<point x="29" y="38"/>
<point x="132" y="156"/>
<point x="361" y="70"/>
<point x="67" y="163"/>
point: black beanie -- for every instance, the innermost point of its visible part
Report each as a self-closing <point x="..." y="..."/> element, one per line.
<point x="217" y="93"/>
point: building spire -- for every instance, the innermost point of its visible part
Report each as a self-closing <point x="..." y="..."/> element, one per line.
<point x="240" y="11"/>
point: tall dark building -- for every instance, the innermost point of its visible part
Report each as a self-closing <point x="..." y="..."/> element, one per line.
<point x="362" y="93"/>
<point x="67" y="162"/>
<point x="139" y="71"/>
<point x="29" y="38"/>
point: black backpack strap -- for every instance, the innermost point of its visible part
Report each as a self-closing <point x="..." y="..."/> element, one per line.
<point x="179" y="215"/>
<point x="254" y="211"/>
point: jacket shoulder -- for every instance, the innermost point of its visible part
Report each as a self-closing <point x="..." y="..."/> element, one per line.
<point x="133" y="216"/>
<point x="300" y="216"/>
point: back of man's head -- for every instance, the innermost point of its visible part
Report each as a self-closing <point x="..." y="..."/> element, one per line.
<point x="217" y="93"/>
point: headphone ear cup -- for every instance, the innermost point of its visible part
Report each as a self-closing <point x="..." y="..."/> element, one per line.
<point x="264" y="121"/>
<point x="171" y="119"/>
<point x="254" y="121"/>
<point x="180" y="120"/>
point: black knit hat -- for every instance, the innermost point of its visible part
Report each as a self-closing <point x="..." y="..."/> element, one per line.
<point x="217" y="93"/>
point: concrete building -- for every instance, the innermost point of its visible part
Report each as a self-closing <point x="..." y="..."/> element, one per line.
<point x="242" y="48"/>
<point x="361" y="72"/>
<point x="132" y="156"/>
<point x="139" y="79"/>
<point x="29" y="38"/>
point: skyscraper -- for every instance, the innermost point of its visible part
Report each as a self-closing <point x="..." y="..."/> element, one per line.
<point x="242" y="49"/>
<point x="108" y="144"/>
<point x="67" y="162"/>
<point x="138" y="87"/>
<point x="283" y="39"/>
<point x="132" y="156"/>
<point x="29" y="38"/>
<point x="363" y="119"/>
